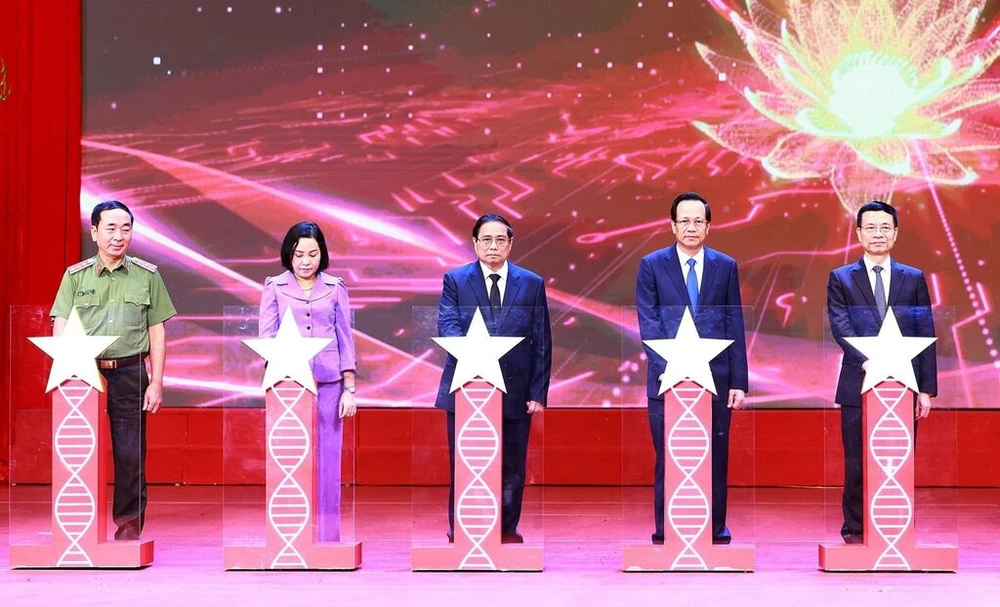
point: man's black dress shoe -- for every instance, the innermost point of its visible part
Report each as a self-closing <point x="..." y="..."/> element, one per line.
<point x="128" y="531"/>
<point x="511" y="538"/>
<point x="505" y="538"/>
<point x="853" y="538"/>
<point x="724" y="538"/>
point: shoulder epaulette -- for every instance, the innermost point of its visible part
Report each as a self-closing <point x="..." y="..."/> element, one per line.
<point x="86" y="263"/>
<point x="142" y="263"/>
<point x="332" y="280"/>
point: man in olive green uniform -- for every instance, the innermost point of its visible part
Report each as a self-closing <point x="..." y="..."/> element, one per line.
<point x="116" y="294"/>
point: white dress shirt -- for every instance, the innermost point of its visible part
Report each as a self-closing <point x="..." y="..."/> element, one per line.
<point x="886" y="273"/>
<point x="501" y="284"/>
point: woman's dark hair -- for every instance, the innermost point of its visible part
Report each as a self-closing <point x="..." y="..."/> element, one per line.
<point x="306" y="229"/>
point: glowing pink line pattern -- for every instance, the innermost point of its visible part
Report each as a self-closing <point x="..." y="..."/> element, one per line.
<point x="396" y="166"/>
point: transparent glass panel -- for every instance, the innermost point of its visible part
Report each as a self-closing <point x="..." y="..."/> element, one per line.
<point x="427" y="481"/>
<point x="507" y="440"/>
<point x="126" y="410"/>
<point x="690" y="437"/>
<point x="962" y="385"/>
<point x="78" y="452"/>
<point x="788" y="388"/>
<point x="937" y="503"/>
<point x="581" y="481"/>
<point x="289" y="459"/>
<point x="30" y="492"/>
<point x="244" y="423"/>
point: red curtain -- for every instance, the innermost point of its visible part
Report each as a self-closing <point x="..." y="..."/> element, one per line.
<point x="40" y="128"/>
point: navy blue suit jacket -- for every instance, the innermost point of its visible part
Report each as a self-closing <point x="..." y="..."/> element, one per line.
<point x="850" y="305"/>
<point x="524" y="313"/>
<point x="661" y="295"/>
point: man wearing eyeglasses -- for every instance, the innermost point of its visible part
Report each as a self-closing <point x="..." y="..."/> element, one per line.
<point x="689" y="275"/>
<point x="857" y="298"/>
<point x="512" y="302"/>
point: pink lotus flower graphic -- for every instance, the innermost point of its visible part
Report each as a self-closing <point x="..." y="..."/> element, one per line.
<point x="862" y="92"/>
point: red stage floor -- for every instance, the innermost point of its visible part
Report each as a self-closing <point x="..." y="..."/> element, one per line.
<point x="583" y="529"/>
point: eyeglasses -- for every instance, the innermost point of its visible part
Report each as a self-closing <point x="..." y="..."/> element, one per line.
<point x="872" y="228"/>
<point x="697" y="223"/>
<point x="488" y="241"/>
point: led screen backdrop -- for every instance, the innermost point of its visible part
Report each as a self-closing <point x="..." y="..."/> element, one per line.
<point x="395" y="123"/>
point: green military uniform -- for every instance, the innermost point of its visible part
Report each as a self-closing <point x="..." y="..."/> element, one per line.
<point x="124" y="302"/>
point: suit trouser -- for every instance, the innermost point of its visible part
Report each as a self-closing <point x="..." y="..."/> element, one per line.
<point x="852" y="435"/>
<point x="514" y="461"/>
<point x="721" y="416"/>
<point x="329" y="445"/>
<point x="126" y="390"/>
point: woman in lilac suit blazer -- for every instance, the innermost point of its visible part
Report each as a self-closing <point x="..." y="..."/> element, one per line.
<point x="321" y="308"/>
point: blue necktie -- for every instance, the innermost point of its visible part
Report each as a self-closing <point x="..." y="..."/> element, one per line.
<point x="692" y="284"/>
<point x="880" y="299"/>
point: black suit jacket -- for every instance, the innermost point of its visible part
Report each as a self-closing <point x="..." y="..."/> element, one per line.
<point x="524" y="313"/>
<point x="850" y="304"/>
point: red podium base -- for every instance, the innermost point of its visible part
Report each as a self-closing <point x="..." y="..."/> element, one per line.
<point x="291" y="496"/>
<point x="478" y="440"/>
<point x="890" y="543"/>
<point x="104" y="555"/>
<point x="489" y="555"/>
<point x="862" y="557"/>
<point x="79" y="492"/>
<point x="687" y="534"/>
<point x="316" y="557"/>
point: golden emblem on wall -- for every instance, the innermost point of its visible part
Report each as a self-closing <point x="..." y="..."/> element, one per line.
<point x="4" y="89"/>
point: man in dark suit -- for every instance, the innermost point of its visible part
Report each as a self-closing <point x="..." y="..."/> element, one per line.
<point x="512" y="302"/>
<point x="689" y="274"/>
<point x="857" y="297"/>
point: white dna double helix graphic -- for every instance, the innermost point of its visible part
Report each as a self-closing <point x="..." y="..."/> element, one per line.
<point x="477" y="511"/>
<point x="890" y="509"/>
<point x="76" y="508"/>
<point x="688" y="511"/>
<point x="288" y="510"/>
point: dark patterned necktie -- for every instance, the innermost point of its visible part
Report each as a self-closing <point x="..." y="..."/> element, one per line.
<point x="495" y="296"/>
<point x="880" y="299"/>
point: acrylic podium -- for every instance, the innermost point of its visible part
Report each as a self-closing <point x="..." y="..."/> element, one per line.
<point x="478" y="440"/>
<point x="293" y="515"/>
<point x="79" y="462"/>
<point x="889" y="540"/>
<point x="687" y="387"/>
